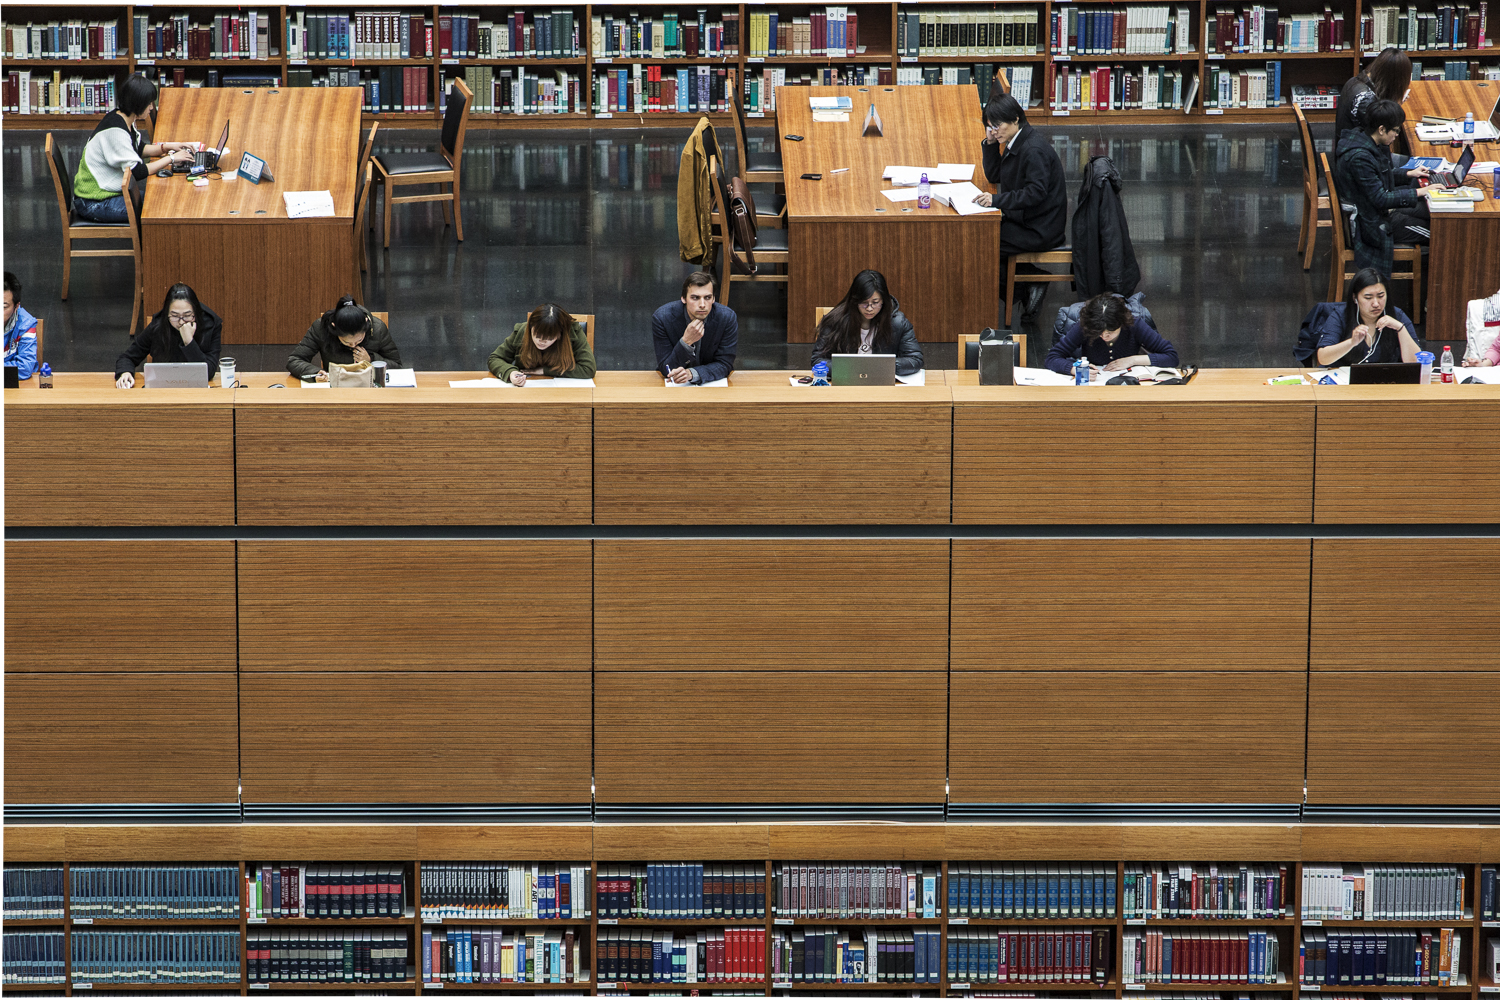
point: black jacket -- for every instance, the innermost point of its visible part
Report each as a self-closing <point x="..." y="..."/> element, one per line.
<point x="1030" y="190"/>
<point x="1348" y="97"/>
<point x="1103" y="257"/>
<point x="1367" y="180"/>
<point x="164" y="344"/>
<point x="908" y="352"/>
<point x="320" y="340"/>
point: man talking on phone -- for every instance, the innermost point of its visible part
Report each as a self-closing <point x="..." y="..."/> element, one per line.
<point x="695" y="338"/>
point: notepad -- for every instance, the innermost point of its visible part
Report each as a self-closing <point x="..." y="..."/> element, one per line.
<point x="718" y="383"/>
<point x="308" y="204"/>
<point x="401" y="378"/>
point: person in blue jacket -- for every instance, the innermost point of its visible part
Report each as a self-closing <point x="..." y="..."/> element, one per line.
<point x="1112" y="339"/>
<point x="20" y="331"/>
<point x="695" y="338"/>
<point x="1363" y="329"/>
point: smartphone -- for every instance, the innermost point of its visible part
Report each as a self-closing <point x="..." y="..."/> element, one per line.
<point x="794" y="138"/>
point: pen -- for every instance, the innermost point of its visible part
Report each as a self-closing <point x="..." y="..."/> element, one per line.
<point x="840" y="170"/>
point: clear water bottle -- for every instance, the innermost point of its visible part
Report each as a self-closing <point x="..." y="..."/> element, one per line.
<point x="1425" y="359"/>
<point x="1447" y="364"/>
<point x="1081" y="371"/>
<point x="1469" y="125"/>
<point x="820" y="373"/>
<point x="44" y="377"/>
<point x="924" y="193"/>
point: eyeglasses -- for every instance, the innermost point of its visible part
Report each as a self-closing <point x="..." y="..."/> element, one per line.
<point x="181" y="317"/>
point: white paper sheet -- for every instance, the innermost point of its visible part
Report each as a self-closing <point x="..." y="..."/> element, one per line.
<point x="308" y="204"/>
<point x="475" y="383"/>
<point x="957" y="171"/>
<point x="900" y="194"/>
<point x="1488" y="375"/>
<point x="722" y="383"/>
<point x="830" y="116"/>
<point x="830" y="103"/>
<point x="919" y="378"/>
<point x="401" y="378"/>
<point x="960" y="197"/>
<point x="559" y="383"/>
<point x="316" y="385"/>
<point x="911" y="176"/>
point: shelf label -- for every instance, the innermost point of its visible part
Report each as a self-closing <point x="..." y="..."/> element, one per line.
<point x="785" y="922"/>
<point x="255" y="920"/>
<point x="1489" y="989"/>
<point x="1064" y="113"/>
<point x="910" y="59"/>
<point x="1136" y="986"/>
<point x="259" y="986"/>
<point x="83" y="986"/>
<point x="450" y="62"/>
<point x="1213" y="111"/>
<point x="1214" y="55"/>
<point x="432" y="986"/>
<point x="755" y="114"/>
<point x="958" y="986"/>
<point x="608" y="986"/>
<point x="1062" y="57"/>
<point x="1312" y="988"/>
<point x="604" y="114"/>
<point x="755" y="59"/>
<point x="958" y="921"/>
<point x="607" y="921"/>
<point x="83" y="920"/>
<point x="432" y="920"/>
<point x="296" y="62"/>
<point x="145" y="62"/>
<point x="781" y="986"/>
<point x="1312" y="923"/>
<point x="1135" y="921"/>
<point x="1490" y="923"/>
<point x="604" y="59"/>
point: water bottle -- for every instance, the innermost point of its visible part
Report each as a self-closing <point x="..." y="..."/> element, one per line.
<point x="1081" y="371"/>
<point x="1447" y="364"/>
<point x="1468" y="126"/>
<point x="924" y="193"/>
<point x="1424" y="358"/>
<point x="44" y="377"/>
<point x="820" y="373"/>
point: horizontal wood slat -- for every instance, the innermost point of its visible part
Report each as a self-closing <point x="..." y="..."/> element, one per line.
<point x="835" y="604"/>
<point x="1421" y="737"/>
<point x="120" y="738"/>
<point x="573" y="842"/>
<point x="1130" y="604"/>
<point x="727" y="736"/>
<point x="1126" y="737"/>
<point x="415" y="737"/>
<point x="1365" y="590"/>
<point x="155" y="606"/>
<point x="416" y="605"/>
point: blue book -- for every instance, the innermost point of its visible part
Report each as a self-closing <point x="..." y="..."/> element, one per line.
<point x="955" y="884"/>
<point x="1054" y="894"/>
<point x="1075" y="907"/>
<point x="1109" y="894"/>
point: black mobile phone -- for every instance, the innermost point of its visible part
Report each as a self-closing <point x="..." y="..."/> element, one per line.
<point x="794" y="138"/>
<point x="812" y="177"/>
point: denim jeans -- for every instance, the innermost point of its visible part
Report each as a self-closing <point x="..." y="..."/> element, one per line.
<point x="106" y="210"/>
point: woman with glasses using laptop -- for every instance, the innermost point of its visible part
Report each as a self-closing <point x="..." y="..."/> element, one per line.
<point x="869" y="321"/>
<point x="184" y="332"/>
<point x="1363" y="329"/>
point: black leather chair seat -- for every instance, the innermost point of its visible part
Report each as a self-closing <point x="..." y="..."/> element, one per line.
<point x="75" y="221"/>
<point x="412" y="163"/>
<point x="771" y="239"/>
<point x="755" y="162"/>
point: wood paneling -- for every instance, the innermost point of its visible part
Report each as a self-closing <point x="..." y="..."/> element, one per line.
<point x="118" y="605"/>
<point x="1403" y="738"/>
<point x="841" y="842"/>
<point x="46" y="844"/>
<point x="1368" y="473"/>
<point x="503" y="842"/>
<point x="418" y="605"/>
<point x="1126" y="737"/>
<point x="778" y="455"/>
<point x="1395" y="844"/>
<point x="331" y="841"/>
<point x="769" y="737"/>
<point x="415" y="737"/>
<point x="119" y="737"/>
<point x="507" y="462"/>
<point x="772" y="605"/>
<point x="1124" y="842"/>
<point x="76" y="456"/>
<point x="1130" y="604"/>
<point x="1361" y="585"/>
<point x="1216" y="451"/>
<point x="163" y="843"/>
<point x="682" y="842"/>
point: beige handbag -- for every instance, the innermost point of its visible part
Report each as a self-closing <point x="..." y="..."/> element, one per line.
<point x="355" y="376"/>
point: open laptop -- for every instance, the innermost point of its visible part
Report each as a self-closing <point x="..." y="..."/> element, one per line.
<point x="862" y="369"/>
<point x="205" y="159"/>
<point x="193" y="375"/>
<point x="1453" y="177"/>
<point x="1400" y="373"/>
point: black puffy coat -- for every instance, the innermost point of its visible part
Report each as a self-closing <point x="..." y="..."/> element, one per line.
<point x="1103" y="257"/>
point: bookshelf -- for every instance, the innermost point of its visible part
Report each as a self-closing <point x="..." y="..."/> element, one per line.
<point x="1125" y="61"/>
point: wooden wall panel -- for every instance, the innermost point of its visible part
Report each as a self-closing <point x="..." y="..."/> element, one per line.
<point x="1126" y="737"/>
<point x="330" y="841"/>
<point x="416" y="463"/>
<point x="1364" y="590"/>
<point x="1367" y="474"/>
<point x="415" y="737"/>
<point x="1123" y="841"/>
<point x="769" y="737"/>
<point x="1130" y="604"/>
<point x="157" y="843"/>
<point x="125" y="464"/>
<point x="682" y="842"/>
<point x="837" y="604"/>
<point x="120" y="737"/>
<point x="506" y="842"/>
<point x="417" y="605"/>
<point x="773" y="462"/>
<point x="1052" y="461"/>
<point x="155" y="606"/>
<point x="1403" y="738"/>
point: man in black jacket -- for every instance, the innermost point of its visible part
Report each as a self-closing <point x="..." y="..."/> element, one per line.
<point x="1387" y="209"/>
<point x="1029" y="188"/>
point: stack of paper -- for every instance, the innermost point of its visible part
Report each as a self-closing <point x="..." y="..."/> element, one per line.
<point x="959" y="197"/>
<point x="830" y="103"/>
<point x="308" y="204"/>
<point x="943" y="173"/>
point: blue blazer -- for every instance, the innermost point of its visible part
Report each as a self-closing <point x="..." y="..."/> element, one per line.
<point x="712" y="357"/>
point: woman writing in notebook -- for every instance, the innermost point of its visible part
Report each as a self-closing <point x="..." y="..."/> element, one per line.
<point x="869" y="321"/>
<point x="1363" y="329"/>
<point x="550" y="342"/>
<point x="184" y="332"/>
<point x="1112" y="339"/>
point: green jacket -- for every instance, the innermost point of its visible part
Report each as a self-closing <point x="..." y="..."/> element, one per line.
<point x="503" y="360"/>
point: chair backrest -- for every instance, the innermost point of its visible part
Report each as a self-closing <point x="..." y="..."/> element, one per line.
<point x="1002" y="78"/>
<point x="587" y="319"/>
<point x="1309" y="160"/>
<point x="736" y="96"/>
<point x="384" y="317"/>
<point x="62" y="181"/>
<point x="1341" y="236"/>
<point x="132" y="193"/>
<point x="39" y="324"/>
<point x="365" y="153"/>
<point x="456" y="120"/>
<point x="723" y="233"/>
<point x="362" y="195"/>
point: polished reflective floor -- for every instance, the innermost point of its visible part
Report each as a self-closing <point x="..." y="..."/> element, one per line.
<point x="589" y="220"/>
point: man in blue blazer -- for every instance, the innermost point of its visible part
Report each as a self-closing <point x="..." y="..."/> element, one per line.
<point x="695" y="338"/>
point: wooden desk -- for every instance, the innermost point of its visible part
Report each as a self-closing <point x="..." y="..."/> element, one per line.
<point x="944" y="269"/>
<point x="268" y="276"/>
<point x="1465" y="258"/>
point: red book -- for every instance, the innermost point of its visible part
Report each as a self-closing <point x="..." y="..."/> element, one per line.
<point x="853" y="39"/>
<point x="445" y="36"/>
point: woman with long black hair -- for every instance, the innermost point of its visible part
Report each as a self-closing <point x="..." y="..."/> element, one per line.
<point x="183" y="332"/>
<point x="1363" y="329"/>
<point x="869" y="321"/>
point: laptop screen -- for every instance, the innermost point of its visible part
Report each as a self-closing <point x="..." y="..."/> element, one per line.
<point x="223" y="137"/>
<point x="1461" y="168"/>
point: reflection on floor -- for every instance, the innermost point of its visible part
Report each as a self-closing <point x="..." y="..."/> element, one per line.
<point x="588" y="220"/>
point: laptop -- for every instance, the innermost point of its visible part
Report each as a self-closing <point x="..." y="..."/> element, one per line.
<point x="1453" y="177"/>
<point x="862" y="369"/>
<point x="1392" y="374"/>
<point x="193" y="375"/>
<point x="205" y="159"/>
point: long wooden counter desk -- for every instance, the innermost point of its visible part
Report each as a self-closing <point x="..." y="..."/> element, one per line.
<point x="1224" y="449"/>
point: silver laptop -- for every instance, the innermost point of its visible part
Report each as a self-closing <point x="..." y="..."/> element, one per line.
<point x="862" y="369"/>
<point x="188" y="376"/>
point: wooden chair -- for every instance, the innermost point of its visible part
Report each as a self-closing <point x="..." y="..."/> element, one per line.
<point x="1314" y="194"/>
<point x="441" y="167"/>
<point x="965" y="339"/>
<point x="1062" y="255"/>
<point x="74" y="228"/>
<point x="755" y="168"/>
<point x="362" y="185"/>
<point x="1341" y="268"/>
<point x="364" y="161"/>
<point x="771" y="250"/>
<point x="587" y="319"/>
<point x="39" y="324"/>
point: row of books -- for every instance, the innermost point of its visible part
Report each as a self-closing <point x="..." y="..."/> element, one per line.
<point x="1179" y="891"/>
<point x="711" y="955"/>
<point x="324" y="892"/>
<point x="1381" y="958"/>
<point x="831" y="32"/>
<point x="1121" y="88"/>
<point x="34" y="958"/>
<point x="1115" y="31"/>
<point x="1455" y="69"/>
<point x="824" y="955"/>
<point x="1176" y="956"/>
<point x="388" y="89"/>
<point x="553" y="35"/>
<point x="28" y="92"/>
<point x="180" y="76"/>
<point x="673" y="36"/>
<point x="226" y="36"/>
<point x="1032" y="892"/>
<point x="1315" y="97"/>
<point x="640" y="89"/>
<point x="155" y="958"/>
<point x="1262" y="29"/>
<point x="1451" y="26"/>
<point x="682" y="891"/>
<point x="1383" y="892"/>
<point x="341" y="956"/>
<point x="1242" y="87"/>
<point x="493" y="955"/>
<point x="967" y="32"/>
<point x="158" y="892"/>
<point x="1014" y="955"/>
<point x="61" y="40"/>
<point x="879" y="890"/>
<point x="536" y="891"/>
<point x="33" y="892"/>
<point x="760" y="86"/>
